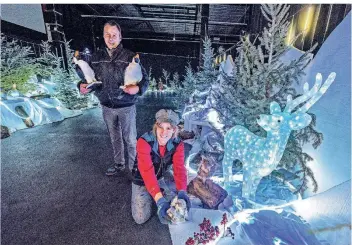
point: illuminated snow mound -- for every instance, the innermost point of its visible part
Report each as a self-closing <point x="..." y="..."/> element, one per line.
<point x="23" y="112"/>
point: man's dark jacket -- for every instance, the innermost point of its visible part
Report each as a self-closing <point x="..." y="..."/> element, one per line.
<point x="110" y="71"/>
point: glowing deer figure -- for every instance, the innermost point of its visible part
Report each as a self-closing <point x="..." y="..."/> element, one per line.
<point x="259" y="155"/>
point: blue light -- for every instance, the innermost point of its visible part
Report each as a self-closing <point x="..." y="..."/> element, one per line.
<point x="260" y="156"/>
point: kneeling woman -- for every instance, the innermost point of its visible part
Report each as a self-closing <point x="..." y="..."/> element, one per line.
<point x="156" y="152"/>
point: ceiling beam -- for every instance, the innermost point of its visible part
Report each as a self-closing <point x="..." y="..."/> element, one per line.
<point x="168" y="55"/>
<point x="162" y="16"/>
<point x="169" y="6"/>
<point x="164" y="20"/>
<point x="176" y="40"/>
<point x="140" y="13"/>
<point x="164" y="35"/>
<point x="166" y="13"/>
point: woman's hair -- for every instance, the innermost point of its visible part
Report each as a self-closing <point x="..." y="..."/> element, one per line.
<point x="174" y="135"/>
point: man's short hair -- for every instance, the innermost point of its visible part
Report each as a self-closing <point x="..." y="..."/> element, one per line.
<point x="113" y="23"/>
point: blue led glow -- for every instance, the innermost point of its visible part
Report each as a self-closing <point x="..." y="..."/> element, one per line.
<point x="260" y="156"/>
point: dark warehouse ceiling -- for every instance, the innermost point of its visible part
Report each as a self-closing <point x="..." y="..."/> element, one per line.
<point x="171" y="22"/>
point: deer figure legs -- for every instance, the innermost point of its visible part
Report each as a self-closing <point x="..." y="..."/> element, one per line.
<point x="249" y="185"/>
<point x="227" y="167"/>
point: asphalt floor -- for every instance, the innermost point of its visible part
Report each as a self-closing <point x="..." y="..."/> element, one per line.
<point x="54" y="189"/>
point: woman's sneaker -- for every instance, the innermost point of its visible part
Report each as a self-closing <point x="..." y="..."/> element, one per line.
<point x="115" y="170"/>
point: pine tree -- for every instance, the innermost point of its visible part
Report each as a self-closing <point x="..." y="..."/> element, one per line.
<point x="188" y="84"/>
<point x="80" y="101"/>
<point x="175" y="82"/>
<point x="49" y="63"/>
<point x="18" y="64"/>
<point x="207" y="74"/>
<point x="152" y="83"/>
<point x="166" y="76"/>
<point x="260" y="78"/>
<point x="66" y="91"/>
<point x="69" y="54"/>
<point x="199" y="83"/>
<point x="197" y="86"/>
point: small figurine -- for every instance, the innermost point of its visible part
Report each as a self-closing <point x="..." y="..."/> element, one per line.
<point x="133" y="73"/>
<point x="178" y="211"/>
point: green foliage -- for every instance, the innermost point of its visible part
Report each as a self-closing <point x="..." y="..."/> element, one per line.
<point x="207" y="74"/>
<point x="67" y="93"/>
<point x="166" y="76"/>
<point x="152" y="81"/>
<point x="17" y="65"/>
<point x="71" y="66"/>
<point x="152" y="84"/>
<point x="175" y="82"/>
<point x="49" y="63"/>
<point x="69" y="55"/>
<point x="52" y="65"/>
<point x="185" y="90"/>
<point x="195" y="83"/>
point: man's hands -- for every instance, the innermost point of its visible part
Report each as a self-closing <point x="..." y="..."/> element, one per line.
<point x="131" y="89"/>
<point x="183" y="195"/>
<point x="83" y="88"/>
<point x="163" y="205"/>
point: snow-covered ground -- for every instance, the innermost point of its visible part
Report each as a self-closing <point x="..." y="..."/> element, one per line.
<point x="23" y="112"/>
<point x="332" y="159"/>
<point x="329" y="214"/>
<point x="322" y="219"/>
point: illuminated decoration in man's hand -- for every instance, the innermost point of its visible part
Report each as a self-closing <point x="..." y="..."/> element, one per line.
<point x="259" y="155"/>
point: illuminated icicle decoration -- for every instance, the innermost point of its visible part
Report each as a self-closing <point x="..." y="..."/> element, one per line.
<point x="260" y="156"/>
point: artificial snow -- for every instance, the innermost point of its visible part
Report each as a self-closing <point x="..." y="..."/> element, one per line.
<point x="250" y="227"/>
<point x="16" y="110"/>
<point x="332" y="159"/>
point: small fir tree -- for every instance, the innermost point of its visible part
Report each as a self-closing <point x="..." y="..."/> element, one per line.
<point x="152" y="83"/>
<point x="69" y="54"/>
<point x="207" y="74"/>
<point x="175" y="82"/>
<point x="184" y="91"/>
<point x="188" y="84"/>
<point x="18" y="64"/>
<point x="66" y="90"/>
<point x="49" y="63"/>
<point x="166" y="76"/>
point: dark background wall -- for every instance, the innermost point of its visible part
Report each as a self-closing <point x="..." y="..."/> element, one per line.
<point x="172" y="56"/>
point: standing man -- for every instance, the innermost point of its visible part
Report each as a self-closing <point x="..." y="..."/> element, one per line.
<point x="118" y="105"/>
